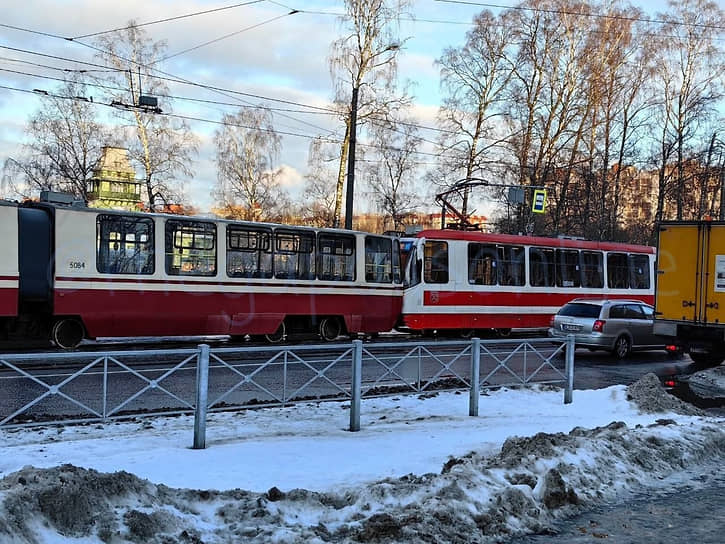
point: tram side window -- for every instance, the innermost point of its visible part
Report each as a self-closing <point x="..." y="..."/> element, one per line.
<point x="435" y="262"/>
<point x="482" y="264"/>
<point x="294" y="255"/>
<point x="567" y="271"/>
<point x="511" y="266"/>
<point x="397" y="268"/>
<point x="617" y="271"/>
<point x="249" y="252"/>
<point x="190" y="248"/>
<point x="639" y="271"/>
<point x="124" y="244"/>
<point x="378" y="259"/>
<point x="542" y="267"/>
<point x="592" y="269"/>
<point x="335" y="257"/>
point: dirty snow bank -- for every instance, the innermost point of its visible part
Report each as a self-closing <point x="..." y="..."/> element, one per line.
<point x="482" y="496"/>
<point x="648" y="395"/>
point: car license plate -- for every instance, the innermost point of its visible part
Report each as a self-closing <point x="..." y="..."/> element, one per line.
<point x="568" y="327"/>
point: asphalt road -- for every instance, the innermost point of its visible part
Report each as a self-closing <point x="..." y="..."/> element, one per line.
<point x="682" y="515"/>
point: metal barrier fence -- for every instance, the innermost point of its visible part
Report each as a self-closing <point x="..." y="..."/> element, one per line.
<point x="51" y="388"/>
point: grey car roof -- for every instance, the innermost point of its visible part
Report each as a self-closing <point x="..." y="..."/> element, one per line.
<point x="603" y="301"/>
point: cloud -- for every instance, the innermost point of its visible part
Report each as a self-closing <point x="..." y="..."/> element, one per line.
<point x="290" y="177"/>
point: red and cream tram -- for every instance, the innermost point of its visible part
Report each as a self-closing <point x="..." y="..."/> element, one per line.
<point x="101" y="273"/>
<point x="9" y="273"/>
<point x="80" y="273"/>
<point x="461" y="281"/>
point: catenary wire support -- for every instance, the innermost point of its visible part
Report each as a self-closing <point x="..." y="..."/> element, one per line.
<point x="356" y="385"/>
<point x="475" y="375"/>
<point x="202" y="390"/>
<point x="569" y="369"/>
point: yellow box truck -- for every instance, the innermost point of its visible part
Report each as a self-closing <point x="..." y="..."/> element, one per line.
<point x="690" y="288"/>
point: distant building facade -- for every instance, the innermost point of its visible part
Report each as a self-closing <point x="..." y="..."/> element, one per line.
<point x="113" y="184"/>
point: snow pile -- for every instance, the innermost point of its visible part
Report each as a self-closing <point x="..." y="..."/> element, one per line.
<point x="520" y="486"/>
<point x="648" y="395"/>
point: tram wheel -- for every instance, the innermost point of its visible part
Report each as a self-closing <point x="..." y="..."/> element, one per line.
<point x="503" y="333"/>
<point x="277" y="336"/>
<point x="330" y="328"/>
<point x="67" y="333"/>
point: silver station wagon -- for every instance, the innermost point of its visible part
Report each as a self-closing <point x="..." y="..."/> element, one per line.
<point x="619" y="326"/>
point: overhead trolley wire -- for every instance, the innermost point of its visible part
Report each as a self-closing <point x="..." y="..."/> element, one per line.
<point x="166" y="20"/>
<point x="175" y="79"/>
<point x="317" y="109"/>
<point x="585" y="14"/>
<point x="210" y="121"/>
<point x="215" y="40"/>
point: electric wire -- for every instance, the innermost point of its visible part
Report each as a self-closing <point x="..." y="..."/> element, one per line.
<point x="215" y="40"/>
<point x="204" y="120"/>
<point x="316" y="109"/>
<point x="166" y="20"/>
<point x="586" y="14"/>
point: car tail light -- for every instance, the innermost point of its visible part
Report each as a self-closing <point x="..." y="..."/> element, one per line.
<point x="551" y="321"/>
<point x="598" y="325"/>
<point x="669" y="383"/>
<point x="671" y="347"/>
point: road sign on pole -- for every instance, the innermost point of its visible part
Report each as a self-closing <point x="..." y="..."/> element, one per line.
<point x="516" y="195"/>
<point x="539" y="203"/>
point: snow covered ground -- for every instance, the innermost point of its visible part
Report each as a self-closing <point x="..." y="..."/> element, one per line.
<point x="420" y="469"/>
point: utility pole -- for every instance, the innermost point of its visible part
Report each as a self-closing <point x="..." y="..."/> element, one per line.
<point x="350" y="193"/>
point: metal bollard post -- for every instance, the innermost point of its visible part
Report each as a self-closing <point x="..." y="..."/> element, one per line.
<point x="475" y="377"/>
<point x="202" y="394"/>
<point x="568" y="390"/>
<point x="356" y="385"/>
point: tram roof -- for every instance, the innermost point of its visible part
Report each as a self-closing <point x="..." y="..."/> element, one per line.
<point x="544" y="241"/>
<point x="204" y="217"/>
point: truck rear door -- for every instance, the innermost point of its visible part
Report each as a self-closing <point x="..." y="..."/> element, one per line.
<point x="677" y="271"/>
<point x="691" y="272"/>
<point x="713" y="301"/>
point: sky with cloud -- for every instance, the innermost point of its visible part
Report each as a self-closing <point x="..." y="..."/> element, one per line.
<point x="275" y="52"/>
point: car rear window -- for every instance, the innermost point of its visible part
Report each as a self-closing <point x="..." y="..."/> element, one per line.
<point x="577" y="309"/>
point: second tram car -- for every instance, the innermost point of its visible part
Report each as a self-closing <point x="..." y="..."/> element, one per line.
<point x="103" y="273"/>
<point x="463" y="282"/>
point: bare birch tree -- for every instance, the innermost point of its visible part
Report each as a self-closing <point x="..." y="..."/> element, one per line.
<point x="613" y="82"/>
<point x="392" y="171"/>
<point x="364" y="68"/>
<point x="162" y="145"/>
<point x="247" y="148"/>
<point x="689" y="76"/>
<point x="631" y="100"/>
<point x="320" y="182"/>
<point x="65" y="139"/>
<point x="548" y="109"/>
<point x="474" y="78"/>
